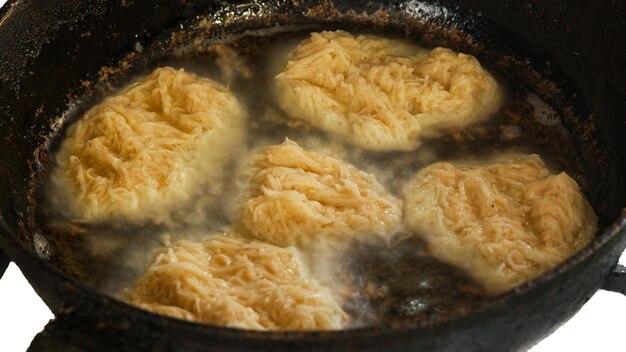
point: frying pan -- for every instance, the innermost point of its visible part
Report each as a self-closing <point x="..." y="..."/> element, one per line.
<point x="571" y="53"/>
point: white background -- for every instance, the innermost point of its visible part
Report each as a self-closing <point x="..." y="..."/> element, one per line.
<point x="599" y="326"/>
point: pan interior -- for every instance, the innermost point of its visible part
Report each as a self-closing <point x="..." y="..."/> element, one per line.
<point x="534" y="119"/>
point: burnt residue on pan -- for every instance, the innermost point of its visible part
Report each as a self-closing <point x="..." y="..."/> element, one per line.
<point x="398" y="282"/>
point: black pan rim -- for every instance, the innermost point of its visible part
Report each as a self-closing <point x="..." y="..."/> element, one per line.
<point x="22" y="255"/>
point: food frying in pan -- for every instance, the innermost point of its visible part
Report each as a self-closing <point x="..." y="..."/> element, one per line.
<point x="375" y="181"/>
<point x="298" y="196"/>
<point x="143" y="151"/>
<point x="503" y="221"/>
<point x="383" y="94"/>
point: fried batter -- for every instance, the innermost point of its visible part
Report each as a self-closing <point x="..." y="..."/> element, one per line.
<point x="504" y="222"/>
<point x="296" y="196"/>
<point x="383" y="94"/>
<point x="234" y="282"/>
<point x="144" y="151"/>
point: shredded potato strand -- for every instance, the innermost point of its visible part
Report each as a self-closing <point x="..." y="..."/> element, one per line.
<point x="505" y="222"/>
<point x="297" y="195"/>
<point x="230" y="281"/>
<point x="135" y="150"/>
<point x="383" y="94"/>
